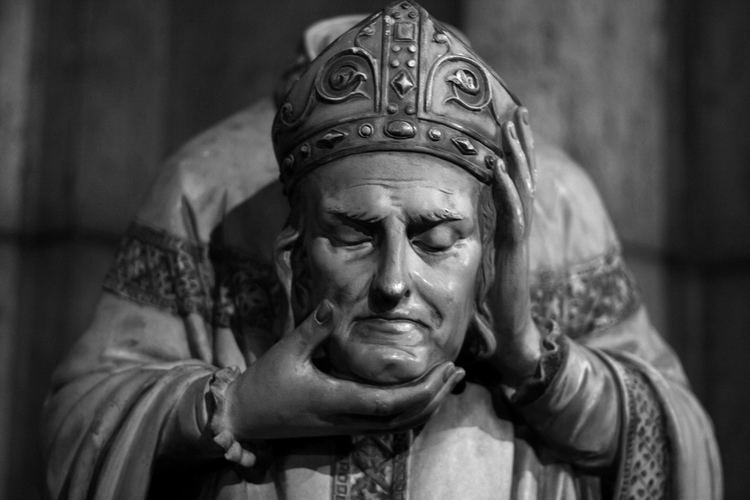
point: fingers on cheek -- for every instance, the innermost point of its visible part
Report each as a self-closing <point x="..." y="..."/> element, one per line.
<point x="511" y="215"/>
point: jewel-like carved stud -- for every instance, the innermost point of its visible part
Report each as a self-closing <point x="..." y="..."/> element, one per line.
<point x="332" y="138"/>
<point x="410" y="109"/>
<point x="413" y="14"/>
<point x="412" y="48"/>
<point x="402" y="83"/>
<point x="490" y="161"/>
<point x="365" y="130"/>
<point x="405" y="32"/>
<point x="411" y="63"/>
<point x="396" y="48"/>
<point x="395" y="63"/>
<point x="464" y="145"/>
<point x="305" y="150"/>
<point x="392" y="108"/>
<point x="288" y="162"/>
<point x="400" y="129"/>
<point x="434" y="134"/>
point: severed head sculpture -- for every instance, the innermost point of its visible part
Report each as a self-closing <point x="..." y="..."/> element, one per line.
<point x="387" y="145"/>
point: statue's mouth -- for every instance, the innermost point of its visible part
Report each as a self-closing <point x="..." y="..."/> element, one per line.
<point x="396" y="318"/>
<point x="391" y="331"/>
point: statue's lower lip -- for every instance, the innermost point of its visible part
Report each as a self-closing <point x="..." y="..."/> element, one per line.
<point x="397" y="332"/>
<point x="381" y="320"/>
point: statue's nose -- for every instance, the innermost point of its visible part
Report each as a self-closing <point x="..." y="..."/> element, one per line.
<point x="391" y="281"/>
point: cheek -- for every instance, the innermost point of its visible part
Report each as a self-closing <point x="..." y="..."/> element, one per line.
<point x="455" y="278"/>
<point x="337" y="274"/>
<point x="452" y="292"/>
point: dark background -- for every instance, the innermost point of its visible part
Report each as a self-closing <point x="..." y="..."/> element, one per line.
<point x="652" y="97"/>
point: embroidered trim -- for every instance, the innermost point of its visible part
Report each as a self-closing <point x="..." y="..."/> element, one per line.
<point x="588" y="299"/>
<point x="246" y="290"/>
<point x="342" y="468"/>
<point x="373" y="468"/>
<point x="155" y="268"/>
<point x="646" y="468"/>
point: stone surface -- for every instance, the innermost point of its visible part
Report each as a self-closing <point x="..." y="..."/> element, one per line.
<point x="252" y="43"/>
<point x="716" y="202"/>
<point x="591" y="74"/>
<point x="710" y="216"/>
<point x="124" y="88"/>
<point x="727" y="359"/>
<point x="9" y="258"/>
<point x="58" y="284"/>
<point x="652" y="279"/>
<point x="15" y="60"/>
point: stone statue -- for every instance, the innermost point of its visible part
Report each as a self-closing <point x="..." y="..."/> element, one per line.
<point x="436" y="311"/>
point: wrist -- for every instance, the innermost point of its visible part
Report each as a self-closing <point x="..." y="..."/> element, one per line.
<point x="554" y="356"/>
<point x="518" y="360"/>
<point x="219" y="399"/>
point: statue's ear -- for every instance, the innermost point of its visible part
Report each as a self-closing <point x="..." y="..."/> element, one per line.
<point x="283" y="249"/>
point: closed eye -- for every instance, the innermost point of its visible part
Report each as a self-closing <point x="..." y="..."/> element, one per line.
<point x="436" y="239"/>
<point x="349" y="236"/>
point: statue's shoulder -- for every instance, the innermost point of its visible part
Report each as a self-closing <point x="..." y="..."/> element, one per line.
<point x="571" y="225"/>
<point x="224" y="177"/>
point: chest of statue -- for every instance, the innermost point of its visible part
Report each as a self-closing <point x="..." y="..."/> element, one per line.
<point x="464" y="451"/>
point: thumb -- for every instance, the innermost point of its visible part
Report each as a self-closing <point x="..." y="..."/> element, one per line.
<point x="317" y="327"/>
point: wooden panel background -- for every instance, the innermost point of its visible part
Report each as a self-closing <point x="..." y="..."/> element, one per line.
<point x="651" y="96"/>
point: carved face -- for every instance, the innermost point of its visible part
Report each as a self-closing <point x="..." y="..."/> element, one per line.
<point x="393" y="239"/>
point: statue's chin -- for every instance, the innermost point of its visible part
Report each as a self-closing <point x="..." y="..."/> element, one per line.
<point x="382" y="365"/>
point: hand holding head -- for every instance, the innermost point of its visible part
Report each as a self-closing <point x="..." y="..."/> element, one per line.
<point x="283" y="394"/>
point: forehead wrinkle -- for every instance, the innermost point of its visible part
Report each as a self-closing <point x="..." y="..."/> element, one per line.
<point x="387" y="183"/>
<point x="390" y="183"/>
<point x="447" y="214"/>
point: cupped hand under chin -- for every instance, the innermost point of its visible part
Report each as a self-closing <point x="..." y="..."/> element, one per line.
<point x="383" y="364"/>
<point x="284" y="395"/>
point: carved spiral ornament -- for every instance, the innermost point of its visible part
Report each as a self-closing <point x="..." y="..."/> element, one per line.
<point x="344" y="78"/>
<point x="469" y="84"/>
<point x="398" y="81"/>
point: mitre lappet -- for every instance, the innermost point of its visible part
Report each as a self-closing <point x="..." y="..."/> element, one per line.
<point x="397" y="81"/>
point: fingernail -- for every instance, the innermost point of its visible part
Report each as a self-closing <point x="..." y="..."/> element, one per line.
<point x="460" y="374"/>
<point x="512" y="131"/>
<point x="448" y="373"/>
<point x="323" y="313"/>
<point x="525" y="116"/>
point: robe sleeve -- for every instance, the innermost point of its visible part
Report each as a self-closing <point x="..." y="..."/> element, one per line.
<point x="132" y="391"/>
<point x="619" y="402"/>
<point x="180" y="302"/>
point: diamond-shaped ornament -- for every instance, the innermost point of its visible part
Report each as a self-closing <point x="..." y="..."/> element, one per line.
<point x="332" y="138"/>
<point x="402" y="83"/>
<point x="464" y="145"/>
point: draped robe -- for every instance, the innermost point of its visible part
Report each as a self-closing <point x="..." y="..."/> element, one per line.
<point x="192" y="290"/>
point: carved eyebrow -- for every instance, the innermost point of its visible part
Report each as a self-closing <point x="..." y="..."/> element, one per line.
<point x="353" y="217"/>
<point x="444" y="215"/>
<point x="430" y="218"/>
